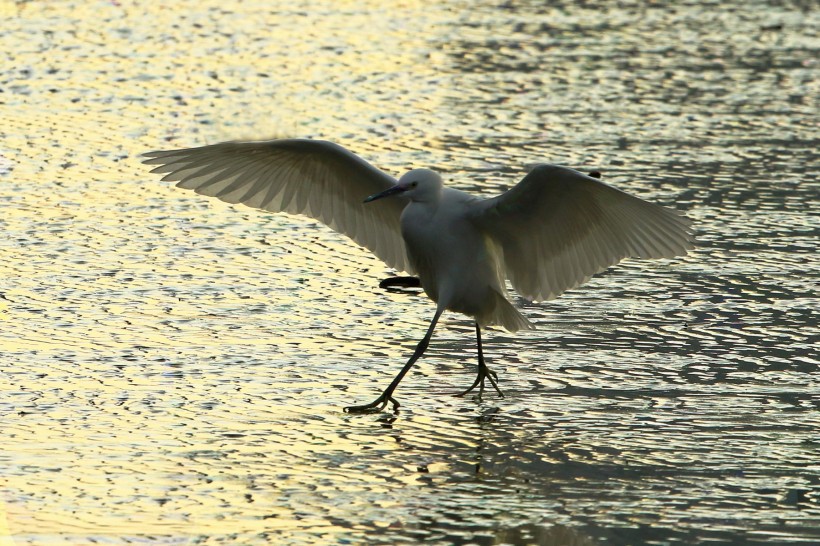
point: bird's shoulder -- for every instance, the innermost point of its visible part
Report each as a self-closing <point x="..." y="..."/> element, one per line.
<point x="455" y="199"/>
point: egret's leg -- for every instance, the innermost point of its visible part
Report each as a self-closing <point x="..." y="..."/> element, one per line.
<point x="483" y="371"/>
<point x="387" y="396"/>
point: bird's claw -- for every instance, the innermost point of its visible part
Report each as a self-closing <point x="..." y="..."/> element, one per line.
<point x="484" y="373"/>
<point x="375" y="406"/>
<point x="400" y="282"/>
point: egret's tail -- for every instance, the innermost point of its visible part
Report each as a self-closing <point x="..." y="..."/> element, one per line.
<point x="505" y="315"/>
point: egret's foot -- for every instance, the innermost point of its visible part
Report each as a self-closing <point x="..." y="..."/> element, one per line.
<point x="400" y="282"/>
<point x="376" y="405"/>
<point x="484" y="373"/>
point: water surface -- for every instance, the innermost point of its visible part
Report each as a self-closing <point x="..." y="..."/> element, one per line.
<point x="172" y="369"/>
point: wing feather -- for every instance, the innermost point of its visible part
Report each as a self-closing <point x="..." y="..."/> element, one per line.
<point x="558" y="227"/>
<point x="315" y="178"/>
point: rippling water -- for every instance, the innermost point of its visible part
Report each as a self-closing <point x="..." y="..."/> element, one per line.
<point x="172" y="369"/>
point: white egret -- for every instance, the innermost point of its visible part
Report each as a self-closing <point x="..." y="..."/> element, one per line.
<point x="552" y="231"/>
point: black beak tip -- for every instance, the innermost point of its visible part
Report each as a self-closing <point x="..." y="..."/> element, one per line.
<point x="387" y="193"/>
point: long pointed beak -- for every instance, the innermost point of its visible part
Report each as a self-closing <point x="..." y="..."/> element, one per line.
<point x="395" y="190"/>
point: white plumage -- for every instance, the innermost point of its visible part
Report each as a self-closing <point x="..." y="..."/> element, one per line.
<point x="549" y="233"/>
<point x="312" y="177"/>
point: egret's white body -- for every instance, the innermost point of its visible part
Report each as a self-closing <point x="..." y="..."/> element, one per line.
<point x="460" y="267"/>
<point x="552" y="231"/>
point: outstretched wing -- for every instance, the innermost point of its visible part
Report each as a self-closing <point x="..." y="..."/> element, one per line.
<point x="316" y="178"/>
<point x="558" y="227"/>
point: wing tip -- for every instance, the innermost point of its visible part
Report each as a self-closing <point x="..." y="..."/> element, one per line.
<point x="158" y="157"/>
<point x="150" y="158"/>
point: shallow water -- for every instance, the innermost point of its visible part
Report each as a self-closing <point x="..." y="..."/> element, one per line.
<point x="173" y="369"/>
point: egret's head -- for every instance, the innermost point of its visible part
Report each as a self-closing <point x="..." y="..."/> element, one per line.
<point x="417" y="185"/>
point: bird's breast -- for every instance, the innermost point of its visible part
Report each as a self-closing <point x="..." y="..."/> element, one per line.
<point x="451" y="256"/>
